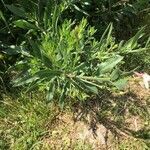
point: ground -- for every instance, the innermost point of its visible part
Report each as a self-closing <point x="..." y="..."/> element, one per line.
<point x="110" y="121"/>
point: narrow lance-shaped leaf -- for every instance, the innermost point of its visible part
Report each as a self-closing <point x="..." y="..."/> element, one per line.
<point x="109" y="34"/>
<point x="120" y="84"/>
<point x="51" y="89"/>
<point x="104" y="34"/>
<point x="42" y="74"/>
<point x="36" y="49"/>
<point x="115" y="74"/>
<point x="25" y="80"/>
<point x="63" y="94"/>
<point x="132" y="43"/>
<point x="24" y="24"/>
<point x="109" y="64"/>
<point x="80" y="10"/>
<point x="3" y="18"/>
<point x="88" y="85"/>
<point x="33" y="85"/>
<point x="17" y="10"/>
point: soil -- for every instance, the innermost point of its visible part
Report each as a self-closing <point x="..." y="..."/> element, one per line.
<point x="88" y="123"/>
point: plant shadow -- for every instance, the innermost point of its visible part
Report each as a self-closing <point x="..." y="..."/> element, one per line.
<point x="121" y="114"/>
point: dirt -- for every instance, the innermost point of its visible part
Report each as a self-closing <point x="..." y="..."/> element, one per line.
<point x="86" y="122"/>
<point x="136" y="86"/>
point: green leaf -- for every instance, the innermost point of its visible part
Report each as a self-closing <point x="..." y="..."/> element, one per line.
<point x="47" y="73"/>
<point x="24" y="24"/>
<point x="109" y="34"/>
<point x="91" y="78"/>
<point x="80" y="10"/>
<point x="46" y="61"/>
<point x="109" y="64"/>
<point x="80" y="67"/>
<point x="137" y="36"/>
<point x="63" y="94"/>
<point x="88" y="85"/>
<point x="2" y="16"/>
<point x="33" y="85"/>
<point x="13" y="50"/>
<point x="17" y="10"/>
<point x="40" y="75"/>
<point x="138" y="50"/>
<point x="55" y="17"/>
<point x="47" y="13"/>
<point x="36" y="49"/>
<point x="91" y="88"/>
<point x="147" y="43"/>
<point x="51" y="90"/>
<point x="132" y="43"/>
<point x="25" y="80"/>
<point x="37" y="52"/>
<point x="107" y="30"/>
<point x="77" y="85"/>
<point x="120" y="84"/>
<point x="115" y="74"/>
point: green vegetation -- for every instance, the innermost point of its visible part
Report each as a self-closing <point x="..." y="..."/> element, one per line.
<point x="71" y="53"/>
<point x="23" y="122"/>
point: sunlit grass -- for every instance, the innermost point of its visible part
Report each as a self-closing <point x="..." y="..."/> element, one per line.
<point x="23" y="121"/>
<point x="28" y="122"/>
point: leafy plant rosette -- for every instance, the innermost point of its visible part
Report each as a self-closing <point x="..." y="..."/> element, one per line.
<point x="71" y="63"/>
<point x="66" y="59"/>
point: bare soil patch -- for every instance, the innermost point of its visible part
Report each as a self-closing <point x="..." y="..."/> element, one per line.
<point x="104" y="120"/>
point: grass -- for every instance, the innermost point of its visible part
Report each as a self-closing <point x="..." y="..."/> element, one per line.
<point x="23" y="122"/>
<point x="131" y="144"/>
<point x="28" y="122"/>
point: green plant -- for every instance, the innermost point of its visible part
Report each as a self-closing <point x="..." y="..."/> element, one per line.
<point x="44" y="23"/>
<point x="71" y="63"/>
<point x="66" y="59"/>
<point x="18" y="22"/>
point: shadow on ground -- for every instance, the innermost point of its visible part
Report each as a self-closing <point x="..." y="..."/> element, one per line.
<point x="121" y="114"/>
